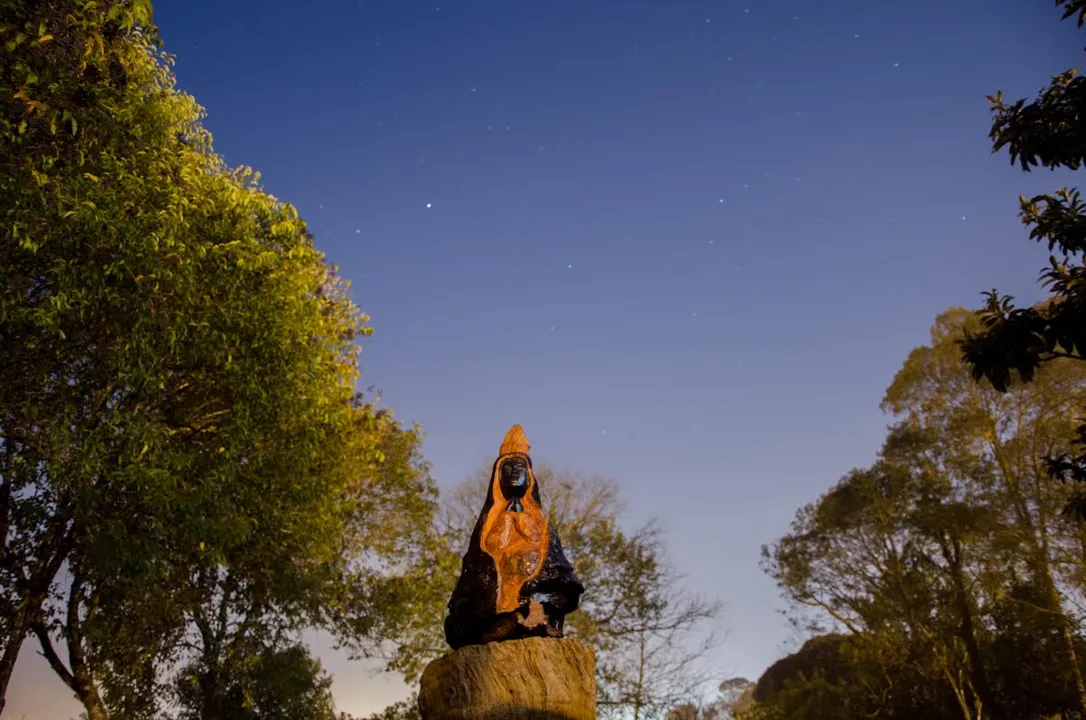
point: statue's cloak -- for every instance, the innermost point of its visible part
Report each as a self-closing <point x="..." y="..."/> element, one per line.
<point x="513" y="557"/>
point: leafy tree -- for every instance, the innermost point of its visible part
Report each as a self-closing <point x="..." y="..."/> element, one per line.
<point x="179" y="426"/>
<point x="634" y="610"/>
<point x="847" y="676"/>
<point x="1015" y="341"/>
<point x="267" y="605"/>
<point x="265" y="683"/>
<point x="924" y="554"/>
<point x="988" y="443"/>
<point x="1027" y="653"/>
<point x="735" y="695"/>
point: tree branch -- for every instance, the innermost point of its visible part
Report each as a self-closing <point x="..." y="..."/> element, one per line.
<point x="50" y="654"/>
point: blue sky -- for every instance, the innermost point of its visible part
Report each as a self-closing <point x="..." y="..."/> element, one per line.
<point x="685" y="244"/>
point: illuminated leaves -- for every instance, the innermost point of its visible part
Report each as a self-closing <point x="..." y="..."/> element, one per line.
<point x="179" y="422"/>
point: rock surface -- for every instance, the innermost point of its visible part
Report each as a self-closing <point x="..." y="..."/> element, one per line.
<point x="529" y="679"/>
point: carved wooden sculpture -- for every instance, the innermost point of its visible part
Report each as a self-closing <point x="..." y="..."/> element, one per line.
<point x="515" y="581"/>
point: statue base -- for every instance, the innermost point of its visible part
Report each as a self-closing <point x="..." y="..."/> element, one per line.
<point x="530" y="679"/>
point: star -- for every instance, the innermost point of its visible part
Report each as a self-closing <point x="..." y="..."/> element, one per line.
<point x="428" y="205"/>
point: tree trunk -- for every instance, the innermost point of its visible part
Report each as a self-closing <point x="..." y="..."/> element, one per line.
<point x="639" y="697"/>
<point x="1072" y="659"/>
<point x="56" y="548"/>
<point x="77" y="675"/>
<point x="11" y="653"/>
<point x="92" y="703"/>
<point x="959" y="693"/>
<point x="1056" y="606"/>
<point x="977" y="672"/>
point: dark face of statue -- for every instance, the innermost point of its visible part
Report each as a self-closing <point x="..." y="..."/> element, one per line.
<point x="514" y="478"/>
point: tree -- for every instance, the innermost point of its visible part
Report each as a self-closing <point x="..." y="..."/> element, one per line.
<point x="265" y="683"/>
<point x="634" y="611"/>
<point x="919" y="554"/>
<point x="846" y="676"/>
<point x="1014" y="341"/>
<point x="179" y="426"/>
<point x="859" y="556"/>
<point x="989" y="440"/>
<point x="735" y="695"/>
<point x="266" y="605"/>
<point x="654" y="639"/>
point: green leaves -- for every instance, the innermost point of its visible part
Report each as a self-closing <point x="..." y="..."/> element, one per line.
<point x="913" y="561"/>
<point x="179" y="419"/>
<point x="1015" y="342"/>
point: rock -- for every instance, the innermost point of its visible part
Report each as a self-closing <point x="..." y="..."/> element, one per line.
<point x="529" y="679"/>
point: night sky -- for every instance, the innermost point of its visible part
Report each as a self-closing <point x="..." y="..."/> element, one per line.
<point x="686" y="244"/>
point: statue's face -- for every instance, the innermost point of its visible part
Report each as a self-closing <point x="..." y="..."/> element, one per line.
<point x="514" y="477"/>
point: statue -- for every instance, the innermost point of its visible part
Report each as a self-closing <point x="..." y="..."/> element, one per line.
<point x="515" y="581"/>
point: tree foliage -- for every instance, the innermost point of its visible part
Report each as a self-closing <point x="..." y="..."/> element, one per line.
<point x="1015" y="341"/>
<point x="928" y="576"/>
<point x="185" y="462"/>
<point x="266" y="683"/>
<point x="650" y="635"/>
<point x="734" y="696"/>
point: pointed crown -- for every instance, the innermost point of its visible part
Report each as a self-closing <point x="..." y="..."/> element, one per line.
<point x="515" y="442"/>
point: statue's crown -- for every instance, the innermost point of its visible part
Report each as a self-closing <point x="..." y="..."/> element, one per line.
<point x="515" y="442"/>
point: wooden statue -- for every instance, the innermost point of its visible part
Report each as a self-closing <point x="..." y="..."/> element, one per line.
<point x="515" y="581"/>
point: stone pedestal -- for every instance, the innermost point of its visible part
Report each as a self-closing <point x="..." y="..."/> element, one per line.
<point x="529" y="679"/>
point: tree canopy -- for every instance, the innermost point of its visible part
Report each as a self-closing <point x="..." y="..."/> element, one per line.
<point x="185" y="461"/>
<point x="927" y="577"/>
